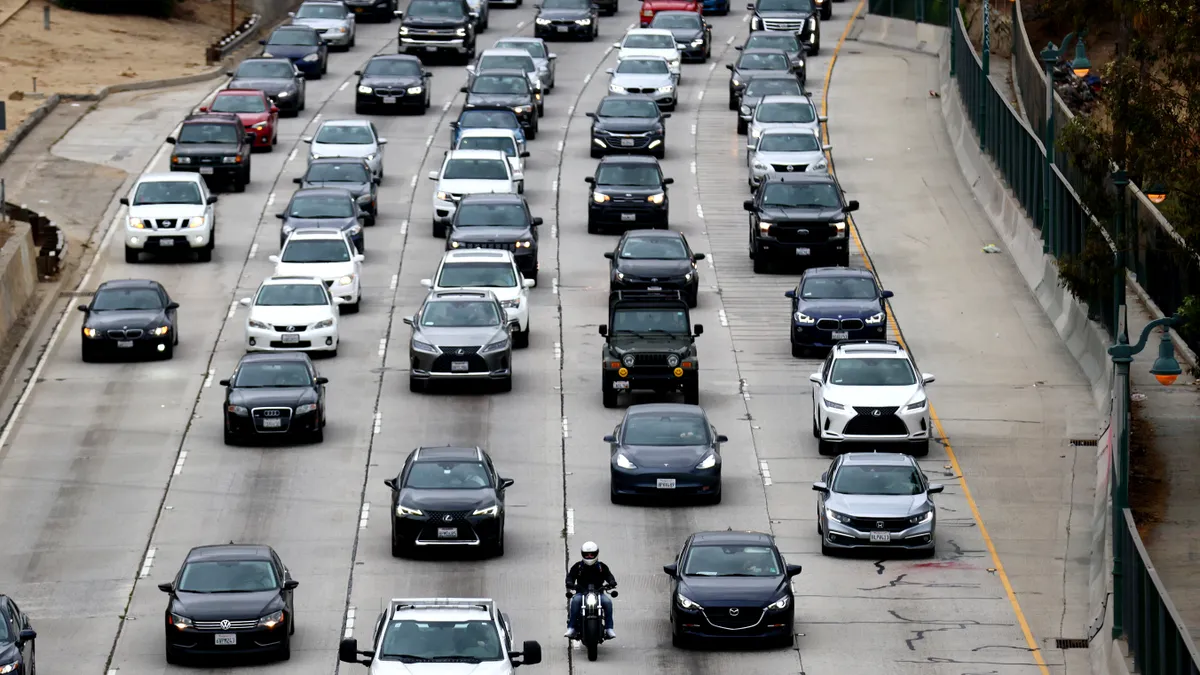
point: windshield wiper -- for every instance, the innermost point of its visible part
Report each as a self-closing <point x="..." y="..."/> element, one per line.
<point x="408" y="657"/>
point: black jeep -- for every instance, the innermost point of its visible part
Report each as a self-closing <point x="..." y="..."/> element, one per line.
<point x="650" y="345"/>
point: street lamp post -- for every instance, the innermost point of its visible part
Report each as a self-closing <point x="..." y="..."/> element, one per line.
<point x="1165" y="369"/>
<point x="1080" y="66"/>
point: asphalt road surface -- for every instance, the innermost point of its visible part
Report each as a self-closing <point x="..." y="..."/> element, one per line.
<point x="112" y="472"/>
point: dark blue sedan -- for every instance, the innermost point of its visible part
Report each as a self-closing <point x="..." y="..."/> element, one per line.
<point x="302" y="45"/>
<point x="831" y="304"/>
<point x="16" y="639"/>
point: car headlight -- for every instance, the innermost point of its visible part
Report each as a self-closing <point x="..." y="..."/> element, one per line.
<point x="736" y="82"/>
<point x="442" y="196"/>
<point x="876" y="318"/>
<point x="364" y="198"/>
<point x="921" y="518"/>
<point x="90" y="332"/>
<point x="832" y="405"/>
<point x="803" y="319"/>
<point x="542" y="22"/>
<point x="686" y="602"/>
<point x="312" y="58"/>
<point x="617" y="89"/>
<point x="326" y="323"/>
<point x="177" y="620"/>
<point x="916" y="405"/>
<point x="260" y="126"/>
<point x="761" y="166"/>
<point x="497" y="346"/>
<point x="337" y="30"/>
<point x="624" y="463"/>
<point x="181" y="160"/>
<point x="414" y="90"/>
<point x="673" y="63"/>
<point x="819" y="165"/>
<point x="455" y="244"/>
<point x="620" y="276"/>
<point x="426" y="347"/>
<point x="834" y="515"/>
<point x="364" y="89"/>
<point x="745" y="110"/>
<point x="627" y="360"/>
<point x="306" y="408"/>
<point x="284" y="94"/>
<point x="139" y="224"/>
<point x="666" y="89"/>
<point x="698" y="42"/>
<point x="232" y="159"/>
<point x="271" y="620"/>
<point x="254" y="323"/>
<point x="346" y="280"/>
<point x="461" y="32"/>
<point x="764" y="226"/>
<point x="198" y="221"/>
<point x="840" y="227"/>
<point x="515" y="303"/>
<point x="708" y="462"/>
<point x="781" y="603"/>
<point x="657" y="198"/>
<point x="522" y="109"/>
<point x="371" y="157"/>
<point x="405" y="511"/>
<point x="354" y="229"/>
<point x="686" y="277"/>
<point x="672" y="360"/>
<point x="583" y="22"/>
<point x="755" y="23"/>
<point x="600" y="197"/>
<point x="524" y="243"/>
<point x="160" y="331"/>
<point x="487" y="510"/>
<point x="237" y="410"/>
<point x="812" y="23"/>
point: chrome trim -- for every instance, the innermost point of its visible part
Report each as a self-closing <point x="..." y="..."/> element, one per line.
<point x="761" y="616"/>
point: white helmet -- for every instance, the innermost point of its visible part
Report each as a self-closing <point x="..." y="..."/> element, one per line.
<point x="590" y="552"/>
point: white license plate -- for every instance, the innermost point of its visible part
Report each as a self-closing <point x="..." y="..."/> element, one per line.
<point x="629" y="216"/>
<point x="431" y="49"/>
<point x="458" y="366"/>
<point x="882" y="537"/>
<point x="389" y="99"/>
<point x="654" y="288"/>
<point x="225" y="639"/>
<point x="206" y="171"/>
<point x="627" y="142"/>
<point x="666" y="483"/>
<point x="290" y="338"/>
<point x="803" y="251"/>
<point x="841" y="335"/>
<point x="166" y="242"/>
<point x="124" y="344"/>
<point x="621" y="385"/>
<point x="272" y="424"/>
<point x="562" y="29"/>
<point x="447" y="533"/>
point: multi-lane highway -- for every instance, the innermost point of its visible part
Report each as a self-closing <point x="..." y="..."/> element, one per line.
<point x="112" y="471"/>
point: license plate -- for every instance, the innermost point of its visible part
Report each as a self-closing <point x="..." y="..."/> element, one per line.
<point x="225" y="639"/>
<point x="431" y="49"/>
<point x="124" y="344"/>
<point x="389" y="99"/>
<point x="458" y="367"/>
<point x="841" y="335"/>
<point x="206" y="171"/>
<point x="627" y="142"/>
<point x="273" y="424"/>
<point x="291" y="338"/>
<point x="629" y="216"/>
<point x="562" y="29"/>
<point x="447" y="533"/>
<point x="621" y="385"/>
<point x="803" y="251"/>
<point x="166" y="242"/>
<point x="882" y="537"/>
<point x="666" y="483"/>
<point x="654" y="288"/>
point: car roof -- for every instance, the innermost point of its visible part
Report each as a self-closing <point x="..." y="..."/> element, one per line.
<point x="664" y="409"/>
<point x="764" y="50"/>
<point x="338" y="160"/>
<point x="781" y="131"/>
<point x="477" y="154"/>
<point x="653" y="234"/>
<point x="505" y="72"/>
<point x="493" y="198"/>
<point x="744" y="537"/>
<point x="229" y="552"/>
<point x="628" y="159"/>
<point x="346" y="123"/>
<point x="276" y="59"/>
<point x="322" y="192"/>
<point x="627" y="97"/>
<point x="458" y="294"/>
<point x="240" y="92"/>
<point x="213" y="118"/>
<point x="877" y="458"/>
<point x="446" y="452"/>
<point x="394" y="57"/>
<point x="801" y="177"/>
<point x="522" y="38"/>
<point x="883" y="349"/>
<point x="272" y="357"/>
<point x="316" y="233"/>
<point x="323" y="2"/>
<point x="171" y="177"/>
<point x="774" y="75"/>
<point x="465" y="255"/>
<point x="281" y="280"/>
<point x="788" y="98"/>
<point x="488" y="132"/>
<point x="295" y="27"/>
<point x="129" y="283"/>
<point x="647" y="57"/>
<point x="837" y="272"/>
<point x="505" y="51"/>
<point x="677" y="11"/>
<point x="648" y="31"/>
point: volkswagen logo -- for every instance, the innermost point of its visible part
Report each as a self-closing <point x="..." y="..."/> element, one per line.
<point x="460" y="352"/>
<point x="225" y="624"/>
<point x="879" y="524"/>
<point x="876" y="412"/>
<point x="734" y="611"/>
<point x="270" y="413"/>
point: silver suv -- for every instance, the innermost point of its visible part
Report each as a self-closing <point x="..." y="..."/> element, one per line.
<point x="441" y="634"/>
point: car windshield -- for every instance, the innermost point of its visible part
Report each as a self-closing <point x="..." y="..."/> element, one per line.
<point x="451" y="475"/>
<point x="339" y="134"/>
<point x="476" y="169"/>
<point x="321" y="207"/>
<point x="731" y="561"/>
<point x="676" y="430"/>
<point x="315" y="251"/>
<point x="228" y="576"/>
<point x="642" y="175"/>
<point x="294" y="38"/>
<point x="477" y="275"/>
<point x="460" y="314"/>
<point x="393" y="68"/>
<point x="200" y="132"/>
<point x="789" y="143"/>
<point x="642" y="321"/>
<point x="308" y="11"/>
<point x="499" y="84"/>
<point x="649" y="42"/>
<point x="784" y="41"/>
<point x="676" y="21"/>
<point x="643" y="67"/>
<point x="239" y="103"/>
<point x="653" y="248"/>
<point x="343" y="172"/>
<point x="435" y="640"/>
<point x="491" y="215"/>
<point x="291" y="295"/>
<point x="838" y="288"/>
<point x="535" y="49"/>
<point x="775" y="85"/>
<point x="167" y="192"/>
<point x="488" y="119"/>
<point x="125" y="299"/>
<point x="265" y="69"/>
<point x="567" y="4"/>
<point x="790" y="112"/>
<point x="434" y="9"/>
<point x="506" y="62"/>
<point x="504" y="144"/>
<point x="811" y="195"/>
<point x="852" y="372"/>
<point x="624" y="107"/>
<point x="803" y="6"/>
<point x="763" y="62"/>
<point x="278" y="374"/>
<point x="881" y="480"/>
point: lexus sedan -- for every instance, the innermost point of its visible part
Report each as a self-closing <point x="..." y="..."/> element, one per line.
<point x="333" y="208"/>
<point x="654" y="260"/>
<point x="876" y="500"/>
<point x="302" y="45"/>
<point x="460" y="335"/>
<point x="129" y="316"/>
<point x="831" y="304"/>
<point x="274" y="396"/>
<point x="665" y="450"/>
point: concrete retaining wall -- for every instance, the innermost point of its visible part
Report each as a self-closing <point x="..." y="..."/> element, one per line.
<point x="18" y="276"/>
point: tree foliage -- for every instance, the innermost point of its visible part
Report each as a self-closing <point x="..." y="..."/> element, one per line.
<point x="157" y="8"/>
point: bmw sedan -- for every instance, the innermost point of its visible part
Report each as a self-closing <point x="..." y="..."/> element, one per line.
<point x="129" y="316"/>
<point x="831" y="304"/>
<point x="274" y="395"/>
<point x="876" y="500"/>
<point x="647" y="75"/>
<point x="665" y="450"/>
<point x="392" y="82"/>
<point x="281" y="81"/>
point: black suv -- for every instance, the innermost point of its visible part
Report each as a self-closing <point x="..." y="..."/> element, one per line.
<point x="628" y="123"/>
<point x="792" y="16"/>
<point x="436" y="27"/>
<point x="504" y="90"/>
<point x="215" y="145"/>
<point x="801" y="218"/>
<point x="499" y="221"/>
<point x="628" y="191"/>
<point x="650" y="344"/>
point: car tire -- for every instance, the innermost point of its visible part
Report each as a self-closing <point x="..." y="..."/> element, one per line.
<point x="88" y="354"/>
<point x="613" y="496"/>
<point x="920" y="448"/>
<point x="660" y="152"/>
<point x="398" y="550"/>
<point x="505" y="385"/>
<point x="825" y="550"/>
<point x="168" y="352"/>
<point x="439" y="230"/>
<point x="678" y="640"/>
<point x="285" y="650"/>
<point x="610" y="397"/>
<point x="532" y="132"/>
<point x="205" y="254"/>
<point x="824" y="448"/>
<point x="799" y="351"/>
<point x="131" y="255"/>
<point x="742" y="126"/>
<point x="761" y="265"/>
<point x="498" y="547"/>
<point x="302" y="106"/>
<point x="593" y="227"/>
<point x="416" y="386"/>
<point x="521" y="187"/>
<point x="733" y="102"/>
<point x="353" y="307"/>
<point x="230" y="439"/>
<point x="318" y="436"/>
<point x="713" y="499"/>
<point x="693" y="298"/>
<point x="360" y="109"/>
<point x="816" y="47"/>
<point x="597" y="153"/>
<point x="691" y="393"/>
<point x="816" y="430"/>
<point x="827" y="12"/>
<point x="521" y="339"/>
<point x="173" y="657"/>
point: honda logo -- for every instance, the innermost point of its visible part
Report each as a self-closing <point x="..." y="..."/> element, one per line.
<point x="225" y="624"/>
<point x="447" y="518"/>
<point x="879" y="524"/>
<point x="876" y="412"/>
<point x="270" y="413"/>
<point x="734" y="611"/>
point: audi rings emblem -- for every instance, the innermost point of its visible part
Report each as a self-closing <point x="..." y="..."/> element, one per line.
<point x="459" y="352"/>
<point x="879" y="524"/>
<point x="876" y="412"/>
<point x="270" y="413"/>
<point x="734" y="611"/>
<point x="447" y="518"/>
<point x="225" y="624"/>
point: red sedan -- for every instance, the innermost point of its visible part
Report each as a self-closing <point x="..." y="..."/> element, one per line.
<point x="255" y="110"/>
<point x="651" y="7"/>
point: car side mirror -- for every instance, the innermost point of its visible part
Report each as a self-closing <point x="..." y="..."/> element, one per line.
<point x="815" y="378"/>
<point x="506" y="483"/>
<point x="790" y="294"/>
<point x="936" y="488"/>
<point x="171" y="140"/>
<point x="358" y="73"/>
<point x="699" y="256"/>
<point x="298" y="181"/>
<point x="722" y="438"/>
<point x="589" y="180"/>
<point x="349" y="16"/>
<point x="27" y="635"/>
<point x="887" y="294"/>
<point x="290" y="584"/>
<point x="750" y="6"/>
<point x="262" y="42"/>
<point x="433" y="175"/>
<point x="523" y="155"/>
<point x="212" y="199"/>
<point x="537" y="221"/>
<point x="377" y="180"/>
<point x="167" y="587"/>
<point x="124" y="201"/>
<point x="728" y="66"/>
<point x="527" y="283"/>
<point x="229" y="73"/>
<point x="382" y="141"/>
<point x="281" y="216"/>
<point x="172" y="305"/>
<point x="609" y="439"/>
<point x="273" y="258"/>
<point x="82" y="308"/>
<point x="530" y="654"/>
<point x="748" y="205"/>
<point x="926" y="378"/>
<point x="820" y="486"/>
<point x="245" y="301"/>
<point x="671" y="570"/>
<point x="348" y="648"/>
<point x="827" y="147"/>
<point x="552" y="56"/>
<point x="307" y="139"/>
<point x="292" y="14"/>
<point x="666" y="116"/>
<point x="463" y="89"/>
<point x="610" y="71"/>
<point x="590" y="114"/>
<point x="608" y="254"/>
<point x="408" y="320"/>
<point x="603" y="330"/>
<point x="427" y="74"/>
<point x="399" y="13"/>
<point x="698" y="330"/>
<point x="223" y="383"/>
<point x="668" y="181"/>
<point x="427" y="283"/>
<point x="793" y="570"/>
<point x="739" y="48"/>
<point x="616" y="45"/>
<point x="852" y="206"/>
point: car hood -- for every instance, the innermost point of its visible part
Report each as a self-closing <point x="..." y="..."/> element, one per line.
<point x="423" y="22"/>
<point x="801" y="215"/>
<point x="297" y="223"/>
<point x="668" y="54"/>
<point x="10" y="654"/>
<point x="380" y="667"/>
<point x="471" y="186"/>
<point x="176" y="211"/>
<point x="326" y="271"/>
<point x="671" y="5"/>
<point x="467" y="336"/>
<point x="191" y="149"/>
<point x="761" y="126"/>
<point x="356" y="189"/>
<point x="632" y="344"/>
<point x="390" y="81"/>
<point x="447" y="500"/>
<point x="496" y="100"/>
<point x="234" y="606"/>
<point x="139" y="318"/>
<point x="270" y="87"/>
<point x="299" y="315"/>
<point x="502" y="293"/>
<point x="489" y="234"/>
<point x="250" y="119"/>
<point x="790" y="157"/>
<point x="290" y="51"/>
<point x="681" y="458"/>
<point x="683" y="34"/>
<point x="654" y="268"/>
<point x="625" y="124"/>
<point x="792" y="15"/>
<point x="878" y="506"/>
<point x="564" y="14"/>
<point x="272" y="397"/>
<point x="321" y="24"/>
<point x="871" y="397"/>
<point x="641" y="80"/>
<point x="839" y="308"/>
<point x="339" y="150"/>
<point x="733" y="591"/>
<point x="745" y="73"/>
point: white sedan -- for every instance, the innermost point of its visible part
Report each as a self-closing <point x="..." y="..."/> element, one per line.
<point x="292" y="314"/>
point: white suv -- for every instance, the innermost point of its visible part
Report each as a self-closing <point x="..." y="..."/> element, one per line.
<point x="488" y="270"/>
<point x="468" y="172"/>
<point x="870" y="392"/>
<point x="443" y="636"/>
<point x="170" y="212"/>
<point x="292" y="314"/>
<point x="328" y="255"/>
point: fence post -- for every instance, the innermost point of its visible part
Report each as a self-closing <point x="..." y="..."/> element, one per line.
<point x="953" y="36"/>
<point x="987" y="71"/>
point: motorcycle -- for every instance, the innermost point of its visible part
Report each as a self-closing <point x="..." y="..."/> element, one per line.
<point x="591" y="619"/>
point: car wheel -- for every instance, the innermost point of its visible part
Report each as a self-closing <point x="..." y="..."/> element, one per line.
<point x="816" y="429"/>
<point x="87" y="353"/>
<point x="285" y="650"/>
<point x="920" y="448"/>
<point x="799" y="352"/>
<point x="131" y="255"/>
<point x="353" y="307"/>
<point x="660" y="152"/>
<point x="360" y="109"/>
<point x="416" y="386"/>
<point x="825" y="550"/>
<point x="597" y="153"/>
<point x="521" y="338"/>
<point x="521" y="187"/>
<point x="733" y="102"/>
<point x="816" y="47"/>
<point x="505" y="385"/>
<point x="741" y="126"/>
<point x="610" y="397"/>
<point x="173" y="657"/>
<point x="827" y="12"/>
<point x="613" y="496"/>
<point x="204" y="254"/>
<point x="439" y="230"/>
<point x="592" y="227"/>
<point x="760" y="265"/>
<point x="693" y="298"/>
<point x="230" y="439"/>
<point x="824" y="448"/>
<point x="678" y="640"/>
<point x="498" y="547"/>
<point x="318" y="436"/>
<point x="531" y="133"/>
<point x="691" y="393"/>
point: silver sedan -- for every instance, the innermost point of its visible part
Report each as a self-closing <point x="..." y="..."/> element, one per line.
<point x="542" y="57"/>
<point x="648" y="75"/>
<point x="785" y="150"/>
<point x="332" y="20"/>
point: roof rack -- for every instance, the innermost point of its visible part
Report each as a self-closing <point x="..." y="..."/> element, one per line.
<point x="869" y="343"/>
<point x="480" y="604"/>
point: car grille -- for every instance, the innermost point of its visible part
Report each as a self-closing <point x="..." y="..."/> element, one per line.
<point x="232" y="625"/>
<point x="290" y="329"/>
<point x="867" y="423"/>
<point x="260" y="415"/>
<point x="650" y="359"/>
<point x="791" y="25"/>
<point x="788" y="168"/>
<point x="641" y="90"/>
<point x="279" y="344"/>
<point x="562" y="23"/>
<point x="390" y="92"/>
<point x="844" y="324"/>
<point x="615" y="134"/>
<point x="802" y="234"/>
<point x="212" y="160"/>
<point x="129" y="334"/>
<point x="734" y="618"/>
<point x="475" y="362"/>
<point x="457" y="519"/>
<point x="434" y="36"/>
<point x="880" y="524"/>
<point x="165" y="223"/>
<point x="498" y="245"/>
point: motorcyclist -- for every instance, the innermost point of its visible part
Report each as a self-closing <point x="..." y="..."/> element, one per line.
<point x="590" y="572"/>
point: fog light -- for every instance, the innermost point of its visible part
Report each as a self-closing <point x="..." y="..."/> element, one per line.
<point x="252" y="342"/>
<point x="198" y="239"/>
<point x="623" y="372"/>
<point x="133" y="240"/>
<point x="328" y="341"/>
<point x="162" y="348"/>
<point x="679" y="372"/>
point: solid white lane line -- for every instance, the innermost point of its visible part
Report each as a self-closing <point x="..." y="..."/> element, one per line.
<point x="349" y="623"/>
<point x="253" y="250"/>
<point x="413" y="182"/>
<point x="378" y="422"/>
<point x="713" y="66"/>
<point x="520" y="25"/>
<point x="344" y="85"/>
<point x="208" y="380"/>
<point x="395" y="280"/>
<point x="403" y="227"/>
<point x="557" y="351"/>
<point x="724" y="319"/>
<point x="700" y="212"/>
<point x="179" y="462"/>
<point x="364" y="516"/>
<point x="147" y="564"/>
<point x="270" y="199"/>
<point x="570" y="521"/>
<point x="232" y="308"/>
<point x="554" y="231"/>
<point x="566" y="428"/>
<point x="700" y="95"/>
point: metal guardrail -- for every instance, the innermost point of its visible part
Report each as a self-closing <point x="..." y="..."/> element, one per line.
<point x="231" y="42"/>
<point x="47" y="237"/>
<point x="1158" y="638"/>
<point x="921" y="11"/>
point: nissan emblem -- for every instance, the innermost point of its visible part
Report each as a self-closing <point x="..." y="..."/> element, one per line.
<point x="447" y="518"/>
<point x="789" y="167"/>
<point x="876" y="412"/>
<point x="734" y="611"/>
<point x="225" y="624"/>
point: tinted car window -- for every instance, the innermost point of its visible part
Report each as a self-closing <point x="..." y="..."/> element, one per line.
<point x="789" y="143"/>
<point x="497" y="215"/>
<point x="199" y="132"/>
<point x="653" y="248"/>
<point x="785" y="6"/>
<point x="499" y="84"/>
<point x="489" y="119"/>
<point x="115" y="299"/>
<point x="321" y="207"/>
<point x="477" y="169"/>
<point x="767" y="40"/>
<point x="477" y="275"/>
<point x="762" y="62"/>
<point x="228" y="576"/>
<point x="501" y="143"/>
<point x="281" y="374"/>
<point x="460" y="314"/>
<point x="291" y="295"/>
<point x="646" y="429"/>
<point x="731" y="561"/>
<point x="535" y="49"/>
<point x="506" y="62"/>
<point x="815" y="195"/>
<point x="649" y="42"/>
<point x="167" y="192"/>
<point x="628" y="174"/>
<point x="336" y="134"/>
<point x="849" y="372"/>
<point x="765" y="87"/>
<point x="643" y="66"/>
<point x="778" y="111"/>
<point x="434" y="9"/>
<point x="293" y="38"/>
<point x="567" y="4"/>
<point x="838" y="288"/>
<point x="239" y="104"/>
<point x="349" y="172"/>
<point x="675" y="21"/>
<point x="426" y="640"/>
<point x="877" y="480"/>
<point x="315" y="251"/>
<point x="649" y="321"/>
<point x="307" y="11"/>
<point x="392" y="68"/>
<point x="616" y="107"/>
<point x="265" y="69"/>
<point x="447" y="476"/>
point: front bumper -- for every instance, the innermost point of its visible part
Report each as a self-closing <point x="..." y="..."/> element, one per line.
<point x="757" y="174"/>
<point x="211" y="171"/>
<point x="631" y="143"/>
<point x="751" y="623"/>
<point x="350" y="292"/>
<point x="409" y="45"/>
<point x="689" y="53"/>
<point x="443" y="211"/>
<point x="165" y="241"/>
<point x="432" y="529"/>
<point x="849" y="425"/>
<point x="660" y="379"/>
<point x="384" y="98"/>
<point x="685" y="286"/>
<point x="254" y="423"/>
<point x="262" y="136"/>
<point x="629" y="214"/>
<point x="107" y="343"/>
<point x="568" y="29"/>
<point x="864" y="533"/>
<point x="804" y="253"/>
<point x="270" y="340"/>
<point x="249" y="641"/>
<point x="447" y="366"/>
<point x="337" y="39"/>
<point x="808" y="335"/>
<point x="378" y="10"/>
<point x="645" y="482"/>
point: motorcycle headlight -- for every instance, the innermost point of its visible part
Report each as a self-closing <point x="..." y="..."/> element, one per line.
<point x="781" y="603"/>
<point x="627" y="360"/>
<point x="160" y="331"/>
<point x="364" y="89"/>
<point x="323" y="324"/>
<point x="524" y="243"/>
<point x="497" y="346"/>
<point x="921" y="518"/>
<point x="834" y="515"/>
<point x="657" y="198"/>
<point x="686" y="602"/>
<point x="311" y="58"/>
<point x="139" y="224"/>
<point x="405" y="511"/>
<point x="708" y="462"/>
<point x="237" y="410"/>
<point x="271" y="620"/>
<point x="421" y="346"/>
<point x="583" y="22"/>
<point x="600" y="197"/>
<point x="306" y="408"/>
<point x="487" y="510"/>
<point x="254" y="323"/>
<point x="179" y="621"/>
<point x="198" y="221"/>
<point x="876" y="318"/>
<point x="832" y="405"/>
<point x="624" y="463"/>
<point x="803" y="319"/>
<point x="346" y="280"/>
<point x="916" y="405"/>
<point x="591" y="601"/>
<point x="414" y="90"/>
<point x="461" y="32"/>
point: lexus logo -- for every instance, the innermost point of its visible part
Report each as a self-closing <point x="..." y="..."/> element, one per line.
<point x="225" y="624"/>
<point x="270" y="413"/>
<point x="734" y="611"/>
<point x="447" y="518"/>
<point x="876" y="412"/>
<point x="293" y="329"/>
<point x="879" y="524"/>
<point x="460" y="352"/>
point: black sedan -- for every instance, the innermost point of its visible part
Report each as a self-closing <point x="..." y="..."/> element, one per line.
<point x="324" y="208"/>
<point x="731" y="586"/>
<point x="831" y="304"/>
<point x="665" y="450"/>
<point x="230" y="599"/>
<point x="17" y="638"/>
<point x="348" y="173"/>
<point x="448" y="496"/>
<point x="497" y="221"/>
<point x="504" y="90"/>
<point x="654" y="260"/>
<point x="281" y="81"/>
<point x="129" y="316"/>
<point x="392" y="81"/>
<point x="693" y="34"/>
<point x="274" y="395"/>
<point x="754" y="62"/>
<point x="628" y="191"/>
<point x="629" y="123"/>
<point x="567" y="19"/>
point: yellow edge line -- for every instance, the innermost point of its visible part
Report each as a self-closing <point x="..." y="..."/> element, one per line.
<point x="937" y="423"/>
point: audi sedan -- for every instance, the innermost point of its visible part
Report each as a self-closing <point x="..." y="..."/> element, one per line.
<point x="274" y="395"/>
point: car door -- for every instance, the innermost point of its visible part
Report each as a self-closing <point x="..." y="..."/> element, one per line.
<point x="522" y="292"/>
<point x="172" y="317"/>
<point x="353" y="256"/>
<point x="817" y="386"/>
<point x="375" y="137"/>
<point x="314" y="374"/>
<point x="285" y="576"/>
<point x="380" y="622"/>
<point x="679" y="558"/>
<point x="17" y="623"/>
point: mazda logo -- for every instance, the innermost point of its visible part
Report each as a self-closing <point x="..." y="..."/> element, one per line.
<point x="225" y="624"/>
<point x="879" y="524"/>
<point x="270" y="413"/>
<point x="447" y="518"/>
<point x="460" y="352"/>
<point x="876" y="412"/>
<point x="734" y="611"/>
